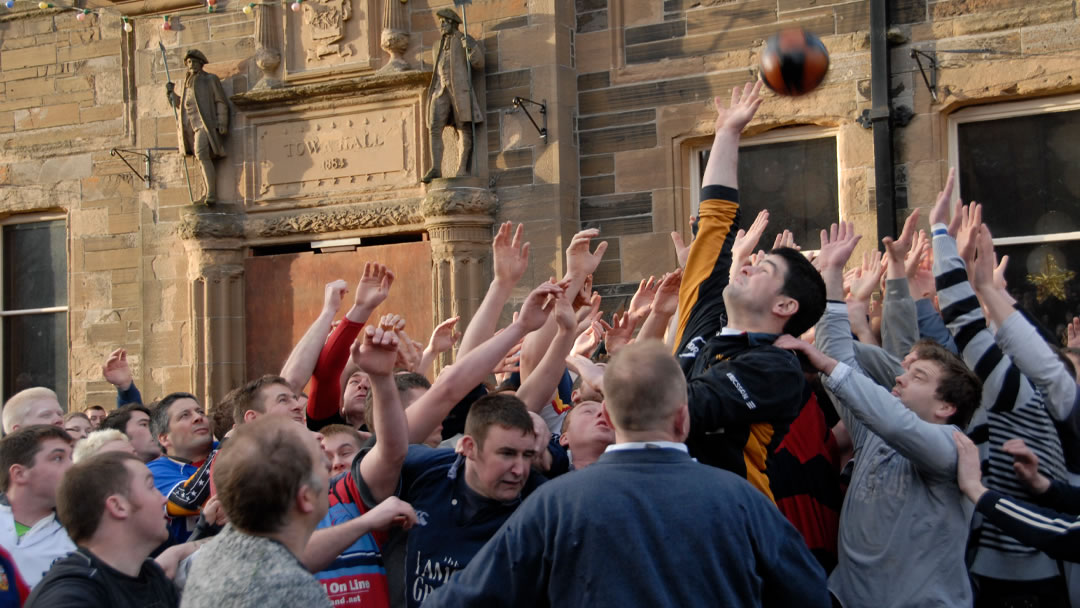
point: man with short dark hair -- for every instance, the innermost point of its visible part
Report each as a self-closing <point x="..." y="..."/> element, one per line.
<point x="687" y="534"/>
<point x="268" y="394"/>
<point x="273" y="481"/>
<point x="32" y="461"/>
<point x="744" y="392"/>
<point x="113" y="512"/>
<point x="460" y="500"/>
<point x="97" y="415"/>
<point x="182" y="474"/>
<point x="133" y="420"/>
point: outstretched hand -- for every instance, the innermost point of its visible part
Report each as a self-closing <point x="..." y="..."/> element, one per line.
<point x="682" y="250"/>
<point x="538" y="306"/>
<point x="510" y="255"/>
<point x="968" y="468"/>
<point x="333" y="294"/>
<point x="372" y="290"/>
<point x="836" y="246"/>
<point x="966" y="238"/>
<point x="444" y="337"/>
<point x="391" y="512"/>
<point x="379" y="351"/>
<point x="116" y="370"/>
<point x="579" y="261"/>
<point x="1026" y="465"/>
<point x="744" y="104"/>
<point x="939" y="213"/>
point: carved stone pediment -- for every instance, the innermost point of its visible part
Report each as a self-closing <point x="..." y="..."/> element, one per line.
<point x="331" y="38"/>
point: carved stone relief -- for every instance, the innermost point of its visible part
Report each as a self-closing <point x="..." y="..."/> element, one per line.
<point x="330" y="38"/>
<point x="330" y="152"/>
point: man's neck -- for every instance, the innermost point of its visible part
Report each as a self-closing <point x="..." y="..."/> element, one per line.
<point x="27" y="509"/>
<point x="188" y="457"/>
<point x="294" y="536"/>
<point x="645" y="437"/>
<point x="115" y="544"/>
<point x="752" y="323"/>
<point x="587" y="454"/>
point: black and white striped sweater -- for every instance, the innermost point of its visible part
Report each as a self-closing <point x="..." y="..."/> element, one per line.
<point x="1012" y="406"/>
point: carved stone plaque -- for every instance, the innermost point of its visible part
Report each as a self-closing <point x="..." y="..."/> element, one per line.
<point x="329" y="38"/>
<point x="352" y="149"/>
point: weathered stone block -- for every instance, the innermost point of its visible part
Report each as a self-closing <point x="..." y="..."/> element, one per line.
<point x="49" y="116"/>
<point x="591" y="166"/>
<point x="27" y="57"/>
<point x="645" y="255"/>
<point x="641" y="169"/>
<point x="36" y="87"/>
<point x="110" y="260"/>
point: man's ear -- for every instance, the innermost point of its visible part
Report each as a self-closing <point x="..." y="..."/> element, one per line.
<point x="118" y="506"/>
<point x="564" y="439"/>
<point x="575" y="396"/>
<point x="606" y="414"/>
<point x="469" y="447"/>
<point x="163" y="440"/>
<point x="785" y="306"/>
<point x="306" y="499"/>
<point x="682" y="422"/>
<point x="250" y="416"/>
<point x="17" y="473"/>
<point x="945" y="410"/>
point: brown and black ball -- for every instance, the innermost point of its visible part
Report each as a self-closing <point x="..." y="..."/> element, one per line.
<point x="794" y="62"/>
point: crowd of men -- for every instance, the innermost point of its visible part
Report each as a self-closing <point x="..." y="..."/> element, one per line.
<point x="745" y="433"/>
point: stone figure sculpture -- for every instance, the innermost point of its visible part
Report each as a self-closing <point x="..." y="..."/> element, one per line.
<point x="203" y="119"/>
<point x="451" y="97"/>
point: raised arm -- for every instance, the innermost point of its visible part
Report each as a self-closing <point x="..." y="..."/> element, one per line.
<point x="117" y="372"/>
<point x="899" y="323"/>
<point x="701" y="305"/>
<point x="929" y="446"/>
<point x="665" y="305"/>
<point x="510" y="258"/>
<point x="537" y="390"/>
<point x="457" y="380"/>
<point x="300" y="365"/>
<point x="381" y="467"/>
<point x="1019" y="339"/>
<point x="325" y="399"/>
<point x="442" y="339"/>
<point x="327" y="544"/>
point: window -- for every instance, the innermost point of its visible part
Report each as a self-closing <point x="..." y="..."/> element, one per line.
<point x="1022" y="162"/>
<point x="34" y="311"/>
<point x="792" y="172"/>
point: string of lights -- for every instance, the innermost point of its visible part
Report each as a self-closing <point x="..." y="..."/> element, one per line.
<point x="127" y="22"/>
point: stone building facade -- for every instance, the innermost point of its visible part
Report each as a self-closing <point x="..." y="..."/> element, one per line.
<point x="328" y="143"/>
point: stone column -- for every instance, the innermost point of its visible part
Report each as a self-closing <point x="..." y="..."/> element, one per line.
<point x="458" y="215"/>
<point x="267" y="51"/>
<point x="215" y="247"/>
<point x="395" y="35"/>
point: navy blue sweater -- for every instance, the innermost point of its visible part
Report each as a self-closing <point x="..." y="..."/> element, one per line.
<point x="645" y="527"/>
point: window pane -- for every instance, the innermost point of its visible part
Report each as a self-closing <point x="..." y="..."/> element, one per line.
<point x="1031" y="260"/>
<point x="35" y="265"/>
<point x="796" y="181"/>
<point x="35" y="354"/>
<point x="1026" y="171"/>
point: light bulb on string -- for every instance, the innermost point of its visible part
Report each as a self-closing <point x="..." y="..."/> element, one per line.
<point x="295" y="6"/>
<point x="43" y="5"/>
<point x="10" y="4"/>
<point x="127" y="25"/>
<point x="166" y="26"/>
<point x="81" y="15"/>
<point x="248" y="8"/>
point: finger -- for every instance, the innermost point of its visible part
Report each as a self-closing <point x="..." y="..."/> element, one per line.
<point x="676" y="238"/>
<point x="600" y="249"/>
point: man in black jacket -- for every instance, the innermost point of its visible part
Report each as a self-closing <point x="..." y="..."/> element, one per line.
<point x="113" y="512"/>
<point x="743" y="392"/>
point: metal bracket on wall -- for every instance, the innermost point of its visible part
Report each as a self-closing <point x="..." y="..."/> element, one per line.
<point x="519" y="103"/>
<point x="144" y="155"/>
<point x="929" y="81"/>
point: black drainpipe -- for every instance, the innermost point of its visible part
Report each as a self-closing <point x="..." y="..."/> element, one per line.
<point x="880" y="118"/>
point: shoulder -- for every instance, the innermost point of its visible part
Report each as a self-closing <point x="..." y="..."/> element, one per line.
<point x="421" y="457"/>
<point x="72" y="580"/>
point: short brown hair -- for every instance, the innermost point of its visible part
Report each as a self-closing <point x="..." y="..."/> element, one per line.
<point x="23" y="445"/>
<point x="223" y="414"/>
<point x="958" y="385"/>
<point x="643" y="387"/>
<point x="246" y="397"/>
<point x="259" y="472"/>
<point x="68" y="416"/>
<point x="94" y="407"/>
<point x="80" y="499"/>
<point x="502" y="409"/>
<point x="342" y="429"/>
<point x="403" y="382"/>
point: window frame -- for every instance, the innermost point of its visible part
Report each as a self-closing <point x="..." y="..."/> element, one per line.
<point x="998" y="111"/>
<point x="773" y="136"/>
<point x="32" y="218"/>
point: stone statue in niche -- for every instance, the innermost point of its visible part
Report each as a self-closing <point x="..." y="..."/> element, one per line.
<point x="326" y="19"/>
<point x="452" y="100"/>
<point x="203" y="119"/>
